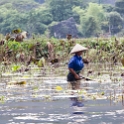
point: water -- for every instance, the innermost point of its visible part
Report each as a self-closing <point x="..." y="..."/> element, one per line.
<point x="58" y="112"/>
<point x="39" y="102"/>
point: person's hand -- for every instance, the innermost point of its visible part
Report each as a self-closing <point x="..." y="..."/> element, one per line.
<point x="77" y="77"/>
<point x="85" y="61"/>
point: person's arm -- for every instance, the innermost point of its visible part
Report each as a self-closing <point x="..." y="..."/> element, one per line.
<point x="74" y="73"/>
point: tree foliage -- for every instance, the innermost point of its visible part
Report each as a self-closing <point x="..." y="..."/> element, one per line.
<point x="119" y="6"/>
<point x="90" y="19"/>
<point x="62" y="9"/>
<point x="115" y="22"/>
<point x="36" y="16"/>
<point x="89" y="26"/>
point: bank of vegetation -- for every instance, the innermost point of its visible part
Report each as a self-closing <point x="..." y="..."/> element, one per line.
<point x="107" y="52"/>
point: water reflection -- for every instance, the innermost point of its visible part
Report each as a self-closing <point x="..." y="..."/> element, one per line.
<point x="39" y="103"/>
<point x="77" y="102"/>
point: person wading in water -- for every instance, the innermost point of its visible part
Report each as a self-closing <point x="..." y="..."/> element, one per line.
<point x="75" y="65"/>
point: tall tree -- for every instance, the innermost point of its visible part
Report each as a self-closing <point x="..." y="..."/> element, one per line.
<point x="119" y="7"/>
<point x="89" y="26"/>
<point x="115" y="22"/>
<point x="90" y="19"/>
<point x="62" y="9"/>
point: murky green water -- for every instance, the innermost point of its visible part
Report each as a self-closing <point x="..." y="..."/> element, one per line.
<point x="40" y="102"/>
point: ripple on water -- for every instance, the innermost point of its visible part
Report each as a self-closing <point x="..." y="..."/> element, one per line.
<point x="39" y="102"/>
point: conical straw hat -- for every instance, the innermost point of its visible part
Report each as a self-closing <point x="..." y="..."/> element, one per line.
<point x="78" y="48"/>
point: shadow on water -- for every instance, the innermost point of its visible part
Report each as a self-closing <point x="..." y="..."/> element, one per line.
<point x="41" y="103"/>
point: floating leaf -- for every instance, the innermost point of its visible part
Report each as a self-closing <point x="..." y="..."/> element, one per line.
<point x="47" y="97"/>
<point x="15" y="68"/>
<point x="80" y="92"/>
<point x="35" y="88"/>
<point x="16" y="83"/>
<point x="102" y="93"/>
<point x="21" y="82"/>
<point x="2" y="99"/>
<point x="26" y="76"/>
<point x="93" y="97"/>
<point x="58" y="88"/>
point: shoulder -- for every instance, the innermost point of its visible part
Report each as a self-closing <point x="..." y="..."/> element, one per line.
<point x="71" y="61"/>
<point x="73" y="58"/>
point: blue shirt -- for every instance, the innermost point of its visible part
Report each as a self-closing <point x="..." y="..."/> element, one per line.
<point x="76" y="63"/>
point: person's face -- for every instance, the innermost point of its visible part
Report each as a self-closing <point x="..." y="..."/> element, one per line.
<point x="79" y="53"/>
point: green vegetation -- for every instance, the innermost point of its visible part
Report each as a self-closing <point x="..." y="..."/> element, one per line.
<point x="36" y="16"/>
<point x="100" y="50"/>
